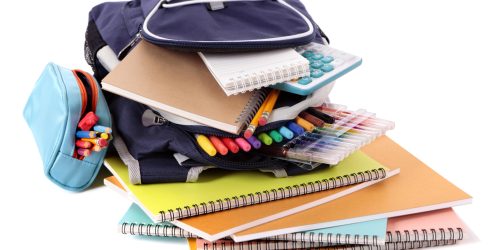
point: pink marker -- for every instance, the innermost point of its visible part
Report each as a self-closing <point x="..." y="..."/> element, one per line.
<point x="243" y="144"/>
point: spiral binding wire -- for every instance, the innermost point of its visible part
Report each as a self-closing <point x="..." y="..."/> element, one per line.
<point x="284" y="245"/>
<point x="257" y="80"/>
<point x="410" y="238"/>
<point x="270" y="195"/>
<point x="154" y="230"/>
<point x="425" y="235"/>
<point x="251" y="107"/>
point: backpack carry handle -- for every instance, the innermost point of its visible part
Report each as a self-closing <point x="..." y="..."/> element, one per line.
<point x="215" y="3"/>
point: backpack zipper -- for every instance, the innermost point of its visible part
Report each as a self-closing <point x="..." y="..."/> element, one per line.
<point x="268" y="43"/>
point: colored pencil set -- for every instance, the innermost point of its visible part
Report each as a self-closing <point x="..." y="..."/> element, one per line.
<point x="87" y="140"/>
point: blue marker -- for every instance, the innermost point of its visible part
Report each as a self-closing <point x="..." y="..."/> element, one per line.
<point x="285" y="132"/>
<point x="85" y="134"/>
<point x="102" y="129"/>
<point x="295" y="128"/>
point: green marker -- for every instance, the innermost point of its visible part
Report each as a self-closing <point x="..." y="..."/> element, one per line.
<point x="277" y="137"/>
<point x="264" y="138"/>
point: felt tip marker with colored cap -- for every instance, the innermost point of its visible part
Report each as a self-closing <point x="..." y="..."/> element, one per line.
<point x="97" y="141"/>
<point x="285" y="132"/>
<point x="218" y="144"/>
<point x="102" y="129"/>
<point x="312" y="119"/>
<point x="243" y="144"/>
<point x="295" y="128"/>
<point x="277" y="137"/>
<point x="266" y="139"/>
<point x="83" y="144"/>
<point x="305" y="124"/>
<point x="254" y="142"/>
<point x="326" y="118"/>
<point x="231" y="145"/>
<point x="206" y="145"/>
<point x="85" y="134"/>
<point x="88" y="121"/>
<point x="83" y="152"/>
<point x="96" y="148"/>
<point x="102" y="135"/>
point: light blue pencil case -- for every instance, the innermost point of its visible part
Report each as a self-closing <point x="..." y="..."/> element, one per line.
<point x="59" y="100"/>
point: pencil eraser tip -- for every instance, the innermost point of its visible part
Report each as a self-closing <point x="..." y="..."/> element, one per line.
<point x="247" y="134"/>
<point x="262" y="122"/>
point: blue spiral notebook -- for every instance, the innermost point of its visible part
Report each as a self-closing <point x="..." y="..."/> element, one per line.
<point x="136" y="222"/>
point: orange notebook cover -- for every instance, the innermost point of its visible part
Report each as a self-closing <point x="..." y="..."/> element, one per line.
<point x="416" y="189"/>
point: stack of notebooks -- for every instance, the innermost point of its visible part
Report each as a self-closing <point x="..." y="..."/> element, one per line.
<point x="375" y="194"/>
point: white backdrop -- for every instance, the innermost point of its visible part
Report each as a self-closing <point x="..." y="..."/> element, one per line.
<point x="431" y="66"/>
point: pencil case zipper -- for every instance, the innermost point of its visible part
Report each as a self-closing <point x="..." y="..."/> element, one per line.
<point x="89" y="95"/>
<point x="216" y="160"/>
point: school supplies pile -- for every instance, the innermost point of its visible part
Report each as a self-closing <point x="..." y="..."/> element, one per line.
<point x="224" y="133"/>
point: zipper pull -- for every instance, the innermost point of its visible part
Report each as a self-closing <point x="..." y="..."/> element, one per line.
<point x="130" y="45"/>
<point x="150" y="118"/>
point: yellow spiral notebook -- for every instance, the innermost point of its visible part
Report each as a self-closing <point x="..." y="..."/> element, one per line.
<point x="219" y="190"/>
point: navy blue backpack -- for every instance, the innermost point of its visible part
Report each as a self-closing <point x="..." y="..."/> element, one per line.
<point x="157" y="148"/>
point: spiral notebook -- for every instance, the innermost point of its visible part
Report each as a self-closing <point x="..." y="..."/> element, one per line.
<point x="180" y="83"/>
<point x="197" y="244"/>
<point x="443" y="224"/>
<point x="218" y="190"/>
<point x="240" y="72"/>
<point x="136" y="222"/>
<point x="416" y="189"/>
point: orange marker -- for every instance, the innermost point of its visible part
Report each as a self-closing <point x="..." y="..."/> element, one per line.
<point x="305" y="124"/>
<point x="97" y="141"/>
<point x="219" y="145"/>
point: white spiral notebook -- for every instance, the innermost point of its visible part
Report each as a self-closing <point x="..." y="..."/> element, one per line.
<point x="241" y="72"/>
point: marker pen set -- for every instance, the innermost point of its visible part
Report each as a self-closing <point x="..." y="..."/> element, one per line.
<point x="333" y="142"/>
<point x="213" y="145"/>
<point x="88" y="140"/>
